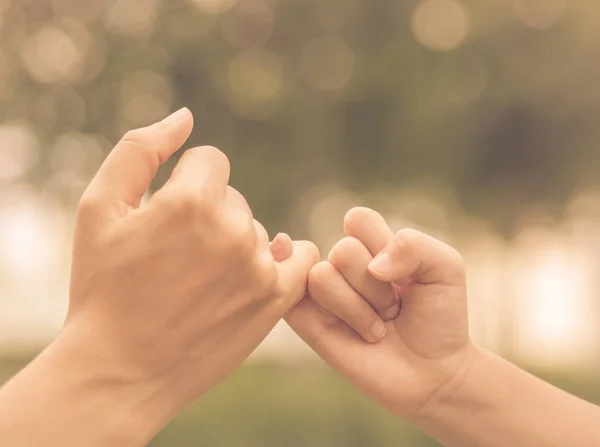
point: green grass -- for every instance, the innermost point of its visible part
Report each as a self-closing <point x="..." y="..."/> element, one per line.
<point x="265" y="405"/>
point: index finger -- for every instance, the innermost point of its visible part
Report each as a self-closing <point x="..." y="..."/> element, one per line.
<point x="201" y="171"/>
<point x="369" y="227"/>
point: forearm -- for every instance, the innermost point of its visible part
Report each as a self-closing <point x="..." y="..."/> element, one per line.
<point x="497" y="404"/>
<point x="67" y="398"/>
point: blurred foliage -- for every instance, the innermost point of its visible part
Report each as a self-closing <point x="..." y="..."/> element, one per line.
<point x="494" y="102"/>
<point x="265" y="404"/>
<point x="497" y="100"/>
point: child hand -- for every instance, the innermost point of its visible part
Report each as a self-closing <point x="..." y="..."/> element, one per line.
<point x="395" y="325"/>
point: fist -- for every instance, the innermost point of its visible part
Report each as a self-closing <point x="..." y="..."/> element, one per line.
<point x="179" y="292"/>
<point x="389" y="311"/>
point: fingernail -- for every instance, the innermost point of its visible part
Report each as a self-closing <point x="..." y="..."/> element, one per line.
<point x="176" y="117"/>
<point x="382" y="264"/>
<point x="282" y="247"/>
<point x="278" y="241"/>
<point x="378" y="330"/>
<point x="392" y="312"/>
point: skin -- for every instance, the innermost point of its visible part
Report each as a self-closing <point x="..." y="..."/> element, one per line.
<point x="166" y="299"/>
<point x="420" y="362"/>
<point x="423" y="347"/>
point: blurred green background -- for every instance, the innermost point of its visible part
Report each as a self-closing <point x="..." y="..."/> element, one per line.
<point x="268" y="404"/>
<point x="474" y="120"/>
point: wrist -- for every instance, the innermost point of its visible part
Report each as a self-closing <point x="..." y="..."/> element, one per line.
<point x="474" y="393"/>
<point x="117" y="405"/>
<point x="457" y="393"/>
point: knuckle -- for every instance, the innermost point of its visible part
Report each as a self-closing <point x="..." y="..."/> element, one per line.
<point x="134" y="138"/>
<point x="240" y="237"/>
<point x="217" y="155"/>
<point x="182" y="204"/>
<point x="344" y="251"/>
<point x="203" y="207"/>
<point x="408" y="239"/>
<point x="188" y="204"/>
<point x="88" y="205"/>
<point x="319" y="276"/>
<point x="140" y="142"/>
<point x="409" y="236"/>
<point x="440" y="253"/>
<point x="312" y="251"/>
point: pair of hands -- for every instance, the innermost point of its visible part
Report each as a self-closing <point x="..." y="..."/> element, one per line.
<point x="175" y="294"/>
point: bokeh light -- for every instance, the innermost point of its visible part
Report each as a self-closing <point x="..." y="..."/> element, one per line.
<point x="30" y="234"/>
<point x="131" y="17"/>
<point x="19" y="151"/>
<point x="256" y="80"/>
<point x="52" y="55"/>
<point x="440" y="25"/>
<point x="455" y="117"/>
<point x="540" y="14"/>
<point x="554" y="290"/>
<point x="214" y="6"/>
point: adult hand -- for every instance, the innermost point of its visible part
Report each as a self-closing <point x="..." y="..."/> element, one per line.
<point x="166" y="299"/>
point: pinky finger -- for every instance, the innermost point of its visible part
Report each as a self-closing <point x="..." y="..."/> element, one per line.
<point x="282" y="247"/>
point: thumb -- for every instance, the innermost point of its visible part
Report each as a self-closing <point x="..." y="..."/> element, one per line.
<point x="434" y="317"/>
<point x="125" y="175"/>
<point x="414" y="257"/>
<point x="292" y="273"/>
